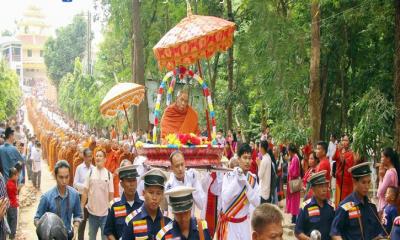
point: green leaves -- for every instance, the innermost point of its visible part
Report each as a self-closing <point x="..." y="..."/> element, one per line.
<point x="10" y="92"/>
<point x="375" y="116"/>
<point x="80" y="96"/>
<point x="60" y="52"/>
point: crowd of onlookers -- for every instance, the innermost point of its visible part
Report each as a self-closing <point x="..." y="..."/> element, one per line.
<point x="16" y="163"/>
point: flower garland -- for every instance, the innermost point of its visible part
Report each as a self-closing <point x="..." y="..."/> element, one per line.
<point x="182" y="72"/>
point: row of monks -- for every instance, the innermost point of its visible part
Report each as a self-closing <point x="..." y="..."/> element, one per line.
<point x="60" y="143"/>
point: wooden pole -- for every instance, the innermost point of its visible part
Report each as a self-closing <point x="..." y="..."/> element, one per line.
<point x="126" y="116"/>
<point x="207" y="115"/>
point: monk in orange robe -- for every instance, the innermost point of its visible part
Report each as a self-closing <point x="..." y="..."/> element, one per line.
<point x="344" y="158"/>
<point x="179" y="117"/>
<point x="57" y="147"/>
<point x="124" y="153"/>
<point x="62" y="150"/>
<point x="78" y="158"/>
<point x="69" y="157"/>
<point x="112" y="163"/>
<point x="92" y="147"/>
<point x="52" y="154"/>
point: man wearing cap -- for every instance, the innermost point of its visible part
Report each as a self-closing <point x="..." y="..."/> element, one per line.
<point x="356" y="217"/>
<point x="240" y="192"/>
<point x="183" y="226"/>
<point x="147" y="221"/>
<point x="121" y="207"/>
<point x="182" y="177"/>
<point x="317" y="212"/>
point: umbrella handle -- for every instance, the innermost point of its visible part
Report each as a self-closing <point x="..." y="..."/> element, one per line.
<point x="126" y="116"/>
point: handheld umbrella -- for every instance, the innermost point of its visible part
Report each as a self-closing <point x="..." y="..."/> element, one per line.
<point x="121" y="97"/>
<point x="194" y="38"/>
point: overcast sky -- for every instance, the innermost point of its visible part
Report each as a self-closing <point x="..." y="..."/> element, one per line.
<point x="57" y="12"/>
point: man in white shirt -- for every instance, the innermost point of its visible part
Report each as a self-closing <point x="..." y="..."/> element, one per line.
<point x="182" y="177"/>
<point x="240" y="194"/>
<point x="36" y="156"/>
<point x="264" y="173"/>
<point x="79" y="180"/>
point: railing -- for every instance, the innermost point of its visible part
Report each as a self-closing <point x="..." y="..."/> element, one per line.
<point x="16" y="58"/>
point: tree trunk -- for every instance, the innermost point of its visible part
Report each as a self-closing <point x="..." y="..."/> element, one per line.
<point x="230" y="69"/>
<point x="397" y="75"/>
<point x="142" y="114"/>
<point x="315" y="84"/>
<point x="213" y="80"/>
<point x="324" y="99"/>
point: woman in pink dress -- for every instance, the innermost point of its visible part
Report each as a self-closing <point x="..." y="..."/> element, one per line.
<point x="293" y="199"/>
<point x="389" y="161"/>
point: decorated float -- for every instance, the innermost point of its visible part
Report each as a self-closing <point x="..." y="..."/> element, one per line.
<point x="180" y="51"/>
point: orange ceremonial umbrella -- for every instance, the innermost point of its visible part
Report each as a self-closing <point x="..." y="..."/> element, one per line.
<point x="195" y="37"/>
<point x="120" y="97"/>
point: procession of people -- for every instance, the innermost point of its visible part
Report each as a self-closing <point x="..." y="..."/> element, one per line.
<point x="104" y="184"/>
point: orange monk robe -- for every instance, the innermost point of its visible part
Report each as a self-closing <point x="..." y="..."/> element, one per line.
<point x="61" y="153"/>
<point x="69" y="156"/>
<point x="42" y="140"/>
<point x="92" y="147"/>
<point x="176" y="121"/>
<point x="111" y="158"/>
<point x="57" y="148"/>
<point x="48" y="141"/>
<point x="128" y="156"/>
<point x="52" y="158"/>
<point x="112" y="164"/>
<point x="122" y="156"/>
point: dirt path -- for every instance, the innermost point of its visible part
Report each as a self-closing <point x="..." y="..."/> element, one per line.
<point x="29" y="198"/>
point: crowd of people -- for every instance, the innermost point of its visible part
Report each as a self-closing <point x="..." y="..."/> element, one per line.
<point x="104" y="184"/>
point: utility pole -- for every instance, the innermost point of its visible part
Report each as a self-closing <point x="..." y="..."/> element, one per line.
<point x="89" y="44"/>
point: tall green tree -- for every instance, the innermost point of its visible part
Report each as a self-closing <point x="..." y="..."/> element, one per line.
<point x="10" y="92"/>
<point x="141" y="117"/>
<point x="397" y="74"/>
<point x="60" y="52"/>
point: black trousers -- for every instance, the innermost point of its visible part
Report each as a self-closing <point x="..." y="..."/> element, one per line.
<point x="269" y="200"/>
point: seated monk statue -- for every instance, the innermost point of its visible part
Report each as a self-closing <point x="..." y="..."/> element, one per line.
<point x="179" y="117"/>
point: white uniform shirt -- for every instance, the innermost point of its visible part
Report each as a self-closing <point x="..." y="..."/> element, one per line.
<point x="191" y="180"/>
<point x="232" y="185"/>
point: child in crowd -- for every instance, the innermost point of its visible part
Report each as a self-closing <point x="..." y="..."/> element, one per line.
<point x="390" y="210"/>
<point x="36" y="156"/>
<point x="12" y="191"/>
